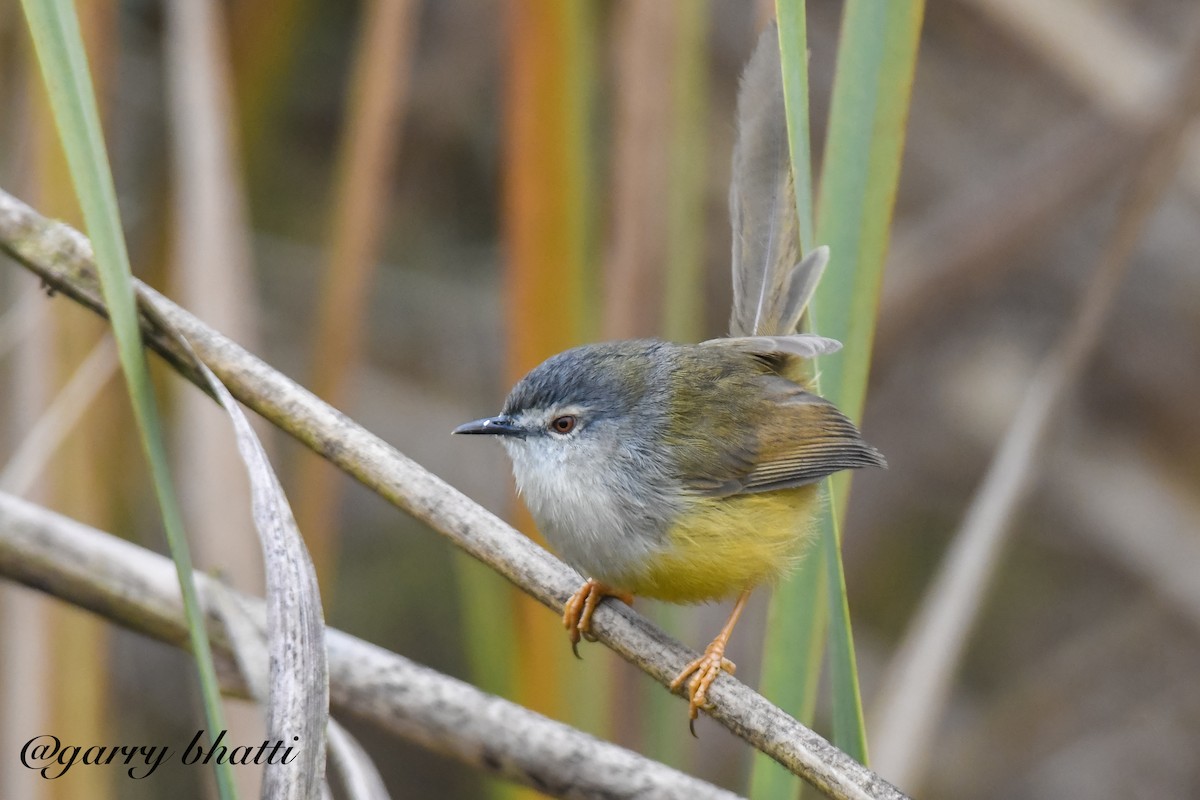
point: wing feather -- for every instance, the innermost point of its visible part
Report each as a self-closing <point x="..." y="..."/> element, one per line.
<point x="809" y="440"/>
<point x="780" y="437"/>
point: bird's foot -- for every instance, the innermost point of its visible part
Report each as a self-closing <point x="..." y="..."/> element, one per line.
<point x="702" y="672"/>
<point x="577" y="614"/>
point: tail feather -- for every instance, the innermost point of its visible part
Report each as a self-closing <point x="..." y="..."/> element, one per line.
<point x="770" y="289"/>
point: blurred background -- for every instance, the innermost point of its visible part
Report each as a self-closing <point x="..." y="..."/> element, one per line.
<point x="405" y="205"/>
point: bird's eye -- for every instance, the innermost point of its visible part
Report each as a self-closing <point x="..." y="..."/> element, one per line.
<point x="564" y="424"/>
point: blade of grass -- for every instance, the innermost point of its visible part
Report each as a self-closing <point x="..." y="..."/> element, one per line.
<point x="634" y="279"/>
<point x="796" y="620"/>
<point x="80" y="481"/>
<point x="793" y="55"/>
<point x="876" y="60"/>
<point x="211" y="269"/>
<point x="877" y="56"/>
<point x="683" y="309"/>
<point x="59" y="47"/>
<point x="872" y="87"/>
<point x="797" y="614"/>
<point x="849" y="727"/>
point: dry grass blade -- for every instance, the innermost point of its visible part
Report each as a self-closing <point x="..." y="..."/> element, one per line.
<point x="919" y="679"/>
<point x="62" y="257"/>
<point x="297" y="692"/>
<point x="374" y="119"/>
<point x="211" y="268"/>
<point x="248" y="643"/>
<point x="645" y="36"/>
<point x="356" y="774"/>
<point x="93" y="569"/>
<point x="43" y="439"/>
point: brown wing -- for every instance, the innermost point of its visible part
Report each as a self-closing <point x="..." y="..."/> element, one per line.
<point x="806" y="439"/>
<point x="754" y="430"/>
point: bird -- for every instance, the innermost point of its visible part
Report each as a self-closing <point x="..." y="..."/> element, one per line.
<point x="689" y="473"/>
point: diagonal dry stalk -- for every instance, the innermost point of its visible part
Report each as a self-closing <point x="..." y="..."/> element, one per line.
<point x="62" y="258"/>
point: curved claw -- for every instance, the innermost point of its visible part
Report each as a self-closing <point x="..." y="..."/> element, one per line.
<point x="577" y="613"/>
<point x="700" y="675"/>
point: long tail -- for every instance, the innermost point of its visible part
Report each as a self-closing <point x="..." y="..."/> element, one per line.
<point x="770" y="289"/>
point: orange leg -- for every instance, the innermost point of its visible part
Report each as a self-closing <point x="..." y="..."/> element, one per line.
<point x="705" y="669"/>
<point x="577" y="614"/>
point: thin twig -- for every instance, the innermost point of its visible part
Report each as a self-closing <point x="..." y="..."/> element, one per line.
<point x="62" y="257"/>
<point x="918" y="682"/>
<point x="137" y="588"/>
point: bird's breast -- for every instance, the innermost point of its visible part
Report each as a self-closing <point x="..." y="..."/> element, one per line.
<point x="601" y="524"/>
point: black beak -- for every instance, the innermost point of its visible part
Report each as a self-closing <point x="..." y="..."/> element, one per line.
<point x="496" y="426"/>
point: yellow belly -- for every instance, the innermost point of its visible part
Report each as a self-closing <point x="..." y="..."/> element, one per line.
<point x="724" y="545"/>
